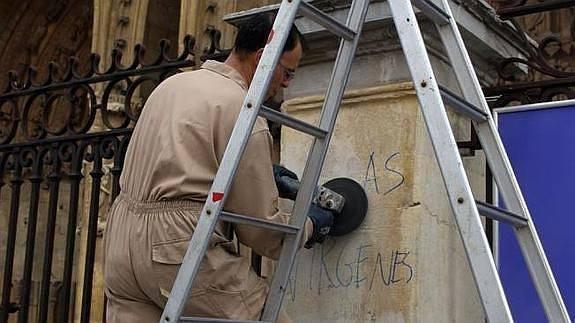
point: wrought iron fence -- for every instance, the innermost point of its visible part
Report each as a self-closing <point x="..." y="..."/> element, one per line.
<point x="49" y="148"/>
<point x="549" y="77"/>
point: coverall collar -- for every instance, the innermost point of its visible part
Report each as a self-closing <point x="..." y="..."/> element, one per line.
<point x="226" y="71"/>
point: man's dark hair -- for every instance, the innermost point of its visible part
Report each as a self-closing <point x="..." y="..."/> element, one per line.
<point x="253" y="34"/>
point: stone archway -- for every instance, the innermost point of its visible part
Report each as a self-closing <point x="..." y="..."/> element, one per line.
<point x="36" y="32"/>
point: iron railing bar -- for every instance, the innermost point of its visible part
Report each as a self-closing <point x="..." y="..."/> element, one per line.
<point x="35" y="180"/>
<point x="96" y="175"/>
<point x="54" y="184"/>
<point x="82" y="137"/>
<point x="76" y="177"/>
<point x="16" y="183"/>
<point x="99" y="78"/>
<point x="522" y="86"/>
<point x="116" y="171"/>
<point x="548" y="5"/>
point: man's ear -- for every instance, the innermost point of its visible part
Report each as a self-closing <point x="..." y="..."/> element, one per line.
<point x="259" y="53"/>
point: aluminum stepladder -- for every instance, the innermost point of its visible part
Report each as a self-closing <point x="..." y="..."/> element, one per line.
<point x="251" y="109"/>
<point x="466" y="210"/>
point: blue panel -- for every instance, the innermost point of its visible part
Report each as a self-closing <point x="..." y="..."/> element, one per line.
<point x="541" y="147"/>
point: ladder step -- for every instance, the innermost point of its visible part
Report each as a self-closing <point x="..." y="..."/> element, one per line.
<point x="214" y="320"/>
<point x="292" y="122"/>
<point x="243" y="219"/>
<point x="306" y="10"/>
<point x="500" y="214"/>
<point x="432" y="11"/>
<point x="326" y="21"/>
<point x="463" y="106"/>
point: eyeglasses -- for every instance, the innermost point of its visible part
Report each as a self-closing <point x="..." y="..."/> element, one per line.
<point x="289" y="73"/>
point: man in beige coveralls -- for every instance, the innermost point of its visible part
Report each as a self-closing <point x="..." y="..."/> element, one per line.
<point x="172" y="158"/>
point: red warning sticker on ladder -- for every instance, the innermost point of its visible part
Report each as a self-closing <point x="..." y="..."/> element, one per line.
<point x="216" y="196"/>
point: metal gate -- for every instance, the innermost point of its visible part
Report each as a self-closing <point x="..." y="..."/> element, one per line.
<point x="60" y="139"/>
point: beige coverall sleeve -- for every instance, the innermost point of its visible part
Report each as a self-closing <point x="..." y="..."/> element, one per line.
<point x="254" y="193"/>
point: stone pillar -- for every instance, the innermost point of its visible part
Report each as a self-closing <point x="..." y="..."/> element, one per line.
<point x="199" y="17"/>
<point x="406" y="263"/>
<point x="117" y="24"/>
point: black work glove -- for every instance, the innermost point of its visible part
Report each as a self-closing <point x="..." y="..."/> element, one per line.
<point x="322" y="220"/>
<point x="286" y="182"/>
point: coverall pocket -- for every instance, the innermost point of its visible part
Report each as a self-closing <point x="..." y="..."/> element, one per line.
<point x="208" y="301"/>
<point x="167" y="257"/>
<point x="170" y="252"/>
<point x="229" y="304"/>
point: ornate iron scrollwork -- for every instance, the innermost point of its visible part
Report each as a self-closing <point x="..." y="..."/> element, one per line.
<point x="46" y="136"/>
<point x="30" y="104"/>
<point x="215" y="52"/>
<point x="550" y="75"/>
<point x="513" y="8"/>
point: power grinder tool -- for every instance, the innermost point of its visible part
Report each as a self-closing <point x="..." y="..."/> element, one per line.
<point x="343" y="196"/>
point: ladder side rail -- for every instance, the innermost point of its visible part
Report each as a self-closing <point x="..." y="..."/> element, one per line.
<point x="230" y="161"/>
<point x="450" y="164"/>
<point x="316" y="157"/>
<point x="469" y="84"/>
<point x="531" y="247"/>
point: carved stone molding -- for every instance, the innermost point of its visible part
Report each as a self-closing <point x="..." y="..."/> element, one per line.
<point x="118" y="24"/>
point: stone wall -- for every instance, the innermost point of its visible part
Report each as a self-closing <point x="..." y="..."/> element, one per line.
<point x="406" y="262"/>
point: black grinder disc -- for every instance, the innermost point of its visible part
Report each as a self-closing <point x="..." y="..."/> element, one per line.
<point x="354" y="209"/>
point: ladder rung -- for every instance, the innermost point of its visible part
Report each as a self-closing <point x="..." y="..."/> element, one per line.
<point x="500" y="214"/>
<point x="305" y="9"/>
<point x="237" y="18"/>
<point x="326" y="21"/>
<point x="242" y="219"/>
<point x="463" y="106"/>
<point x="292" y="122"/>
<point x="432" y="11"/>
<point x="213" y="320"/>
